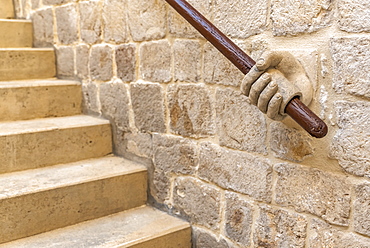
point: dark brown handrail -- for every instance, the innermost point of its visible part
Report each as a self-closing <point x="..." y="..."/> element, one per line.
<point x="295" y="108"/>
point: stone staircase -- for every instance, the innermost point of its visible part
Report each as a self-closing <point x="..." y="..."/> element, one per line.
<point x="60" y="185"/>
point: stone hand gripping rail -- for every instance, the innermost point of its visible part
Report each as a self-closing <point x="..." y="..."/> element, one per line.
<point x="295" y="108"/>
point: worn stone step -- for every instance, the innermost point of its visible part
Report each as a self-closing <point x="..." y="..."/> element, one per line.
<point x="31" y="99"/>
<point x="26" y="63"/>
<point x="49" y="141"/>
<point x="6" y="9"/>
<point x="142" y="227"/>
<point x="44" y="199"/>
<point x="15" y="33"/>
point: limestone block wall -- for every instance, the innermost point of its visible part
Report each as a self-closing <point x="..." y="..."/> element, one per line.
<point x="241" y="179"/>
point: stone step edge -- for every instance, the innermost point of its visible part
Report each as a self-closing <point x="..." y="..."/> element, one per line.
<point x="53" y="82"/>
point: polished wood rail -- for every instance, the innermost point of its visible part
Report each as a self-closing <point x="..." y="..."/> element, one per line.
<point x="295" y="108"/>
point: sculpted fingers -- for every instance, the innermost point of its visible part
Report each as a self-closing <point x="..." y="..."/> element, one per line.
<point x="249" y="79"/>
<point x="274" y="107"/>
<point x="266" y="96"/>
<point x="268" y="59"/>
<point x="258" y="87"/>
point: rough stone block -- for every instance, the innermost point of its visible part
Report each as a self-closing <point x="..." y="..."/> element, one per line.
<point x="66" y="17"/>
<point x="279" y="228"/>
<point x="147" y="19"/>
<point x="288" y="143"/>
<point x="126" y="62"/>
<point x="114" y="19"/>
<point x="138" y="144"/>
<point x="148" y="105"/>
<point x="351" y="65"/>
<point x="114" y="101"/>
<point x="354" y="15"/>
<point x="65" y="56"/>
<point x="241" y="18"/>
<point x="313" y="191"/>
<point x="295" y="17"/>
<point x="350" y="144"/>
<point x="191" y="112"/>
<point x="179" y="27"/>
<point x="90" y="21"/>
<point x="205" y="239"/>
<point x="238" y="171"/>
<point x="55" y="2"/>
<point x="239" y="217"/>
<point x="155" y="63"/>
<point x="362" y="209"/>
<point x="187" y="58"/>
<point x="171" y="155"/>
<point x="323" y="235"/>
<point x="91" y="103"/>
<point x="218" y="69"/>
<point x="240" y="125"/>
<point x="43" y="30"/>
<point x="101" y="62"/>
<point x="197" y="200"/>
<point x="82" y="61"/>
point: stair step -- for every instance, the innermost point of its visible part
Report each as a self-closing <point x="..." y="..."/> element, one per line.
<point x="24" y="100"/>
<point x="6" y="9"/>
<point x="142" y="227"/>
<point x="26" y="63"/>
<point x="49" y="141"/>
<point x="15" y="33"/>
<point x="40" y="200"/>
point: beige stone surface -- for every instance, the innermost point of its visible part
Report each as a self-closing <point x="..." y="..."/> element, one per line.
<point x="82" y="61"/>
<point x="147" y="19"/>
<point x="43" y="142"/>
<point x="354" y="15"/>
<point x="115" y="21"/>
<point x="6" y="9"/>
<point x="238" y="219"/>
<point x="350" y="144"/>
<point x="39" y="99"/>
<point x="362" y="209"/>
<point x="65" y="56"/>
<point x="101" y="62"/>
<point x="15" y="33"/>
<point x="90" y="21"/>
<point x="198" y="201"/>
<point x="126" y="62"/>
<point x="218" y="69"/>
<point x="187" y="59"/>
<point x="241" y="18"/>
<point x="205" y="239"/>
<point x="191" y="110"/>
<point x="326" y="236"/>
<point x="45" y="199"/>
<point x="67" y="23"/>
<point x="314" y="191"/>
<point x="139" y="227"/>
<point x="294" y="17"/>
<point x="240" y="125"/>
<point x="43" y="27"/>
<point x="155" y="62"/>
<point x="26" y="63"/>
<point x="288" y="143"/>
<point x="279" y="228"/>
<point x="148" y="106"/>
<point x="90" y="97"/>
<point x="351" y="65"/>
<point x="235" y="170"/>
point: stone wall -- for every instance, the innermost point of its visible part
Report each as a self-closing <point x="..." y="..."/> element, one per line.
<point x="173" y="100"/>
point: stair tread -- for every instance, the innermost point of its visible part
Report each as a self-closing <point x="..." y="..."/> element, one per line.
<point x="118" y="230"/>
<point x="37" y="82"/>
<point x="15" y="20"/>
<point x="49" y="124"/>
<point x="62" y="175"/>
<point x="26" y="49"/>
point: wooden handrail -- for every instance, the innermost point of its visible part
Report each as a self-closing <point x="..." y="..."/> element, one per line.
<point x="295" y="108"/>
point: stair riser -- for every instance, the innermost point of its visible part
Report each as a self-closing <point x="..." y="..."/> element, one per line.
<point x="15" y="34"/>
<point x="44" y="211"/>
<point x="6" y="9"/>
<point x="179" y="239"/>
<point x="26" y="64"/>
<point x="24" y="103"/>
<point x="40" y="149"/>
